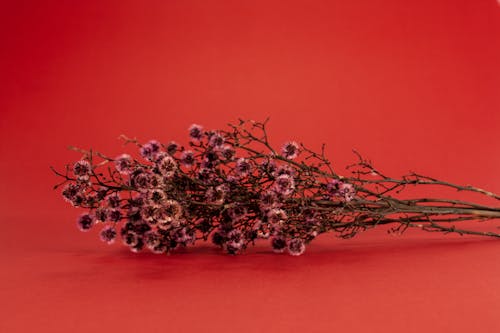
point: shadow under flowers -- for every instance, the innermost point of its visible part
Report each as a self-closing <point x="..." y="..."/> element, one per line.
<point x="324" y="253"/>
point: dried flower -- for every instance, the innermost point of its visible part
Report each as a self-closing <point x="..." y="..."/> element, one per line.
<point x="113" y="200"/>
<point x="205" y="174"/>
<point x="151" y="240"/>
<point x="227" y="152"/>
<point x="217" y="194"/>
<point x="284" y="185"/>
<point x="195" y="132"/>
<point x="237" y="212"/>
<point x="216" y="140"/>
<point x="130" y="238"/>
<point x="268" y="166"/>
<point x="172" y="209"/>
<point x="296" y="247"/>
<point x="115" y="215"/>
<point x="340" y="189"/>
<point x="149" y="213"/>
<point x="140" y="179"/>
<point x="150" y="149"/>
<point x="166" y="165"/>
<point x="290" y="150"/>
<point x="156" y="196"/>
<point x="276" y="215"/>
<point x="70" y="191"/>
<point x="187" y="158"/>
<point x="243" y="167"/>
<point x="78" y="200"/>
<point x="82" y="170"/>
<point x="347" y="191"/>
<point x="172" y="147"/>
<point x="184" y="237"/>
<point x="268" y="200"/>
<point x="284" y="170"/>
<point x="278" y="244"/>
<point x="101" y="214"/>
<point x="218" y="237"/>
<point x="123" y="163"/>
<point x="85" y="222"/>
<point x="235" y="241"/>
<point x="108" y="234"/>
<point x="333" y="187"/>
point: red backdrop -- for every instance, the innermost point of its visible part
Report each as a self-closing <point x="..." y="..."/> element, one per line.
<point x="411" y="85"/>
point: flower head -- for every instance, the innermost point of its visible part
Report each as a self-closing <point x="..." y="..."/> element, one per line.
<point x="284" y="185"/>
<point x="261" y="229"/>
<point x="340" y="189"/>
<point x="268" y="166"/>
<point x="82" y="169"/>
<point x="113" y="200"/>
<point x="115" y="215"/>
<point x="347" y="191"/>
<point x="218" y="237"/>
<point x="139" y="246"/>
<point x="243" y="167"/>
<point x="149" y="213"/>
<point x="232" y="180"/>
<point x="123" y="163"/>
<point x="70" y="191"/>
<point x="278" y="244"/>
<point x="290" y="150"/>
<point x="187" y="158"/>
<point x="78" y="199"/>
<point x="216" y="140"/>
<point x="235" y="241"/>
<point x="101" y="214"/>
<point x="211" y="156"/>
<point x="140" y="179"/>
<point x="150" y="149"/>
<point x="183" y="236"/>
<point x="205" y="174"/>
<point x="217" y="194"/>
<point x="196" y="132"/>
<point x="108" y="234"/>
<point x="237" y="212"/>
<point x="268" y="200"/>
<point x="85" y="222"/>
<point x="151" y="240"/>
<point x="168" y="214"/>
<point x="156" y="196"/>
<point x="156" y="180"/>
<point x="333" y="187"/>
<point x="227" y="152"/>
<point x="296" y="246"/>
<point x="130" y="238"/>
<point x="166" y="165"/>
<point x="172" y="147"/>
<point x="277" y="215"/>
<point x="284" y="170"/>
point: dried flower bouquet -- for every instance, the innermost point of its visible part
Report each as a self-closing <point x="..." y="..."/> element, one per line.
<point x="232" y="186"/>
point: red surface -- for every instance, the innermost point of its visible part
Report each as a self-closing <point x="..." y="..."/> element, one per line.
<point x="411" y="85"/>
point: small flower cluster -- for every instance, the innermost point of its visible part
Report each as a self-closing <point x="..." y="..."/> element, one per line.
<point x="170" y="195"/>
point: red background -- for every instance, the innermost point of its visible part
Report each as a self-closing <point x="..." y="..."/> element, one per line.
<point x="410" y="84"/>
